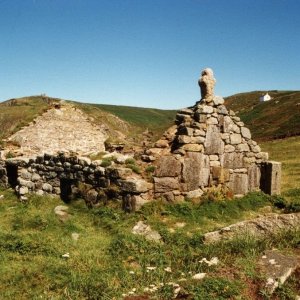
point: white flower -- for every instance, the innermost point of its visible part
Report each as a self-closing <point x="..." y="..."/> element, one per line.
<point x="151" y="268"/>
<point x="66" y="255"/>
<point x="131" y="272"/>
<point x="168" y="269"/>
<point x="213" y="261"/>
<point x="199" y="276"/>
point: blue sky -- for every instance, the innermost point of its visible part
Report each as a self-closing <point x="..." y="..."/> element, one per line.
<point x="146" y="52"/>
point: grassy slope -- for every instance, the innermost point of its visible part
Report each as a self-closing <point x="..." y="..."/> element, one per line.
<point x="155" y="120"/>
<point x="108" y="261"/>
<point x="277" y="118"/>
<point x="26" y="109"/>
<point x="286" y="151"/>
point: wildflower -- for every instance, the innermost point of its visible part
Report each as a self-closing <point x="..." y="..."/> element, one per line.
<point x="199" y="276"/>
<point x="213" y="261"/>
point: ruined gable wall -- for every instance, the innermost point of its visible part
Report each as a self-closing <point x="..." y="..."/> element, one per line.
<point x="212" y="147"/>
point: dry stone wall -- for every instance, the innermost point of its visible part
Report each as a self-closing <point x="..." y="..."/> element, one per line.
<point x="71" y="176"/>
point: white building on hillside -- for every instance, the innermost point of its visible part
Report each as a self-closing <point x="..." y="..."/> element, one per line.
<point x="265" y="98"/>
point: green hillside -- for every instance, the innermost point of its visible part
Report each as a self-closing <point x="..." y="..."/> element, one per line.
<point x="277" y="118"/>
<point x="16" y="113"/>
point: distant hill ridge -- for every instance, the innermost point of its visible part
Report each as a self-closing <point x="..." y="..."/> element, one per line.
<point x="277" y="118"/>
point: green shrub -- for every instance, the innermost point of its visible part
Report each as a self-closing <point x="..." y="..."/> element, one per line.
<point x="134" y="168"/>
<point x="150" y="169"/>
<point x="106" y="162"/>
<point x="130" y="161"/>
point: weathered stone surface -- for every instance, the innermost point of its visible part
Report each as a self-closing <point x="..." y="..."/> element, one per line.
<point x="168" y="166"/>
<point x="213" y="143"/>
<point x="133" y="185"/>
<point x="271" y="177"/>
<point x="27" y="183"/>
<point x="162" y="144"/>
<point x="215" y="163"/>
<point x="145" y="230"/>
<point x="235" y="139"/>
<point x="199" y="132"/>
<point x="165" y="184"/>
<point x="218" y="100"/>
<point x="118" y="172"/>
<point x="201" y="118"/>
<point x="277" y="267"/>
<point x="47" y="187"/>
<point x="205" y="109"/>
<point x="212" y="121"/>
<point x="61" y="211"/>
<point x="169" y="197"/>
<point x="207" y="83"/>
<point x="181" y="118"/>
<point x="184" y="139"/>
<point x="91" y="197"/>
<point x="35" y="177"/>
<point x="264" y="156"/>
<point x="233" y="160"/>
<point x="255" y="148"/>
<point x="186" y="111"/>
<point x="222" y="110"/>
<point x="220" y="174"/>
<point x="197" y="140"/>
<point x="253" y="178"/>
<point x="213" y="157"/>
<point x="183" y="130"/>
<point x="23" y="190"/>
<point x="195" y="171"/>
<point x="25" y="174"/>
<point x="139" y="201"/>
<point x="229" y="148"/>
<point x="243" y="147"/>
<point x="238" y="183"/>
<point x="260" y="226"/>
<point x="193" y="147"/>
<point x="245" y="133"/>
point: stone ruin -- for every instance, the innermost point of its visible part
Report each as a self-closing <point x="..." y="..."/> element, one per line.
<point x="208" y="147"/>
<point x="212" y="147"/>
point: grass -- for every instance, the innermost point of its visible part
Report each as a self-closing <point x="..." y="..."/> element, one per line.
<point x="108" y="261"/>
<point x="286" y="151"/>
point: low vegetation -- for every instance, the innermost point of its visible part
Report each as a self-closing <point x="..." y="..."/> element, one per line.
<point x="107" y="261"/>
